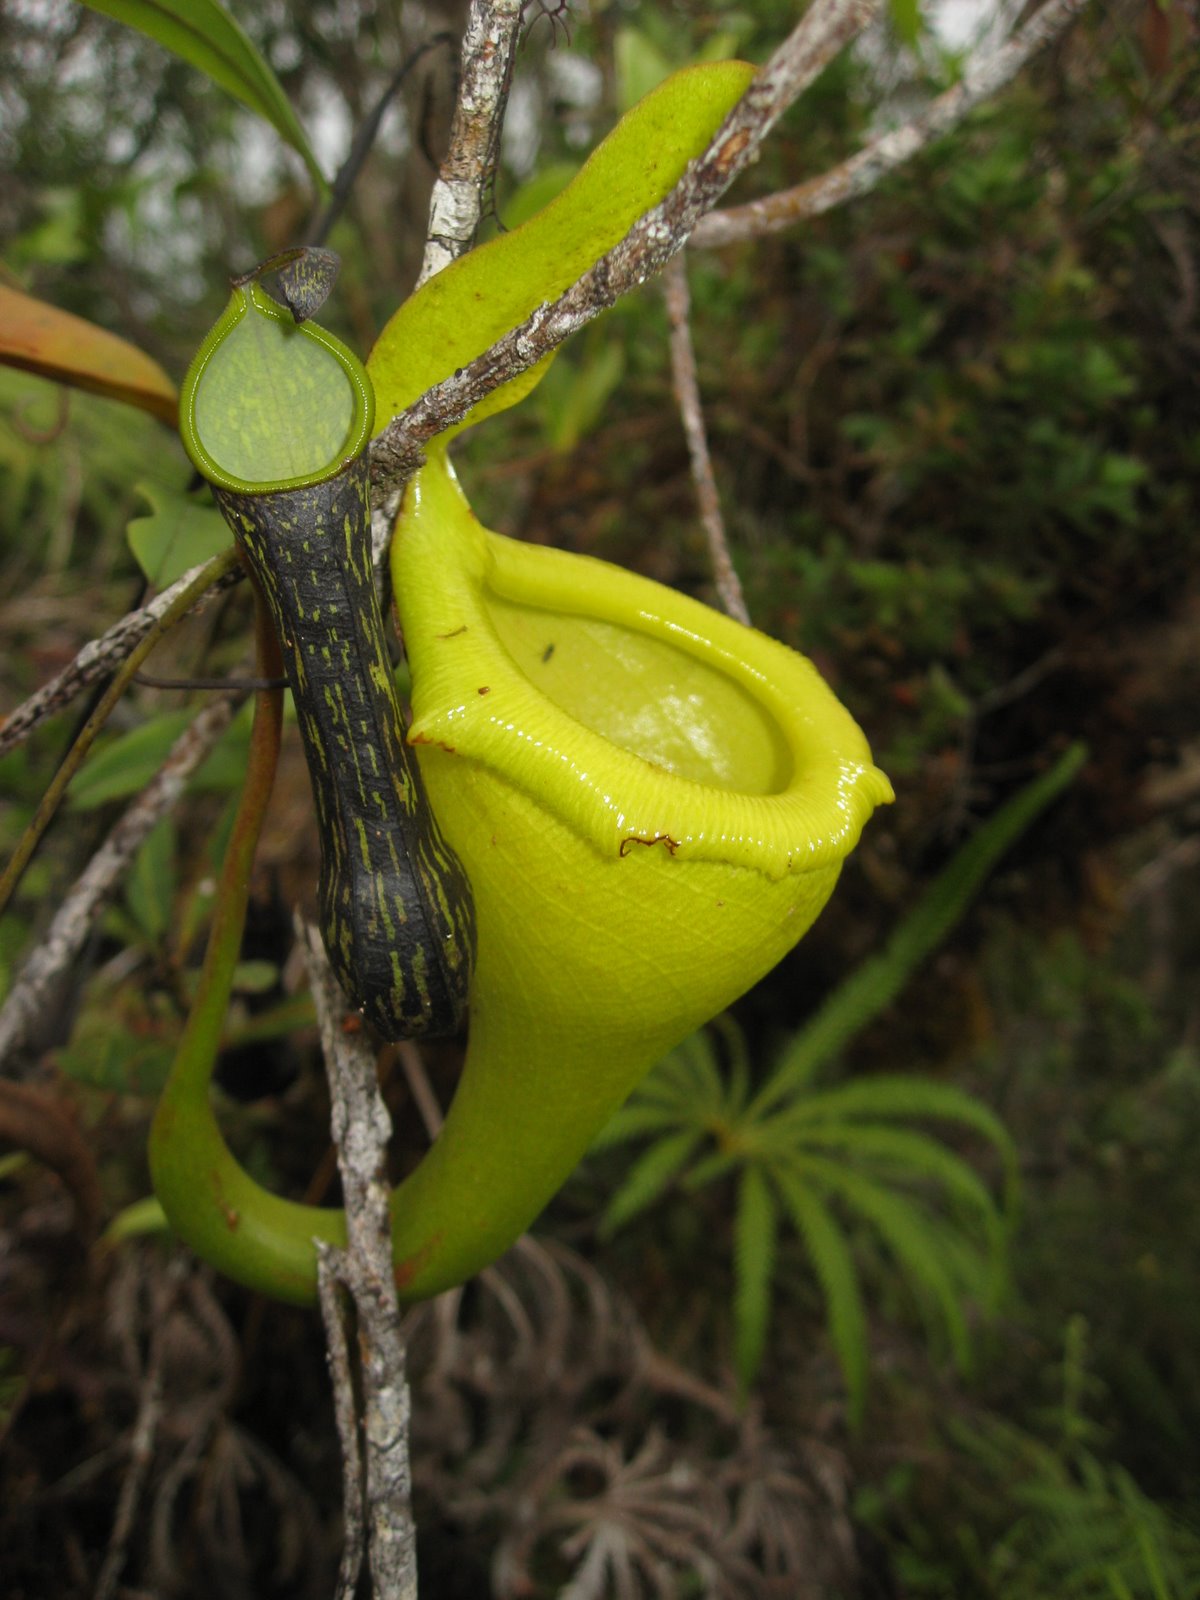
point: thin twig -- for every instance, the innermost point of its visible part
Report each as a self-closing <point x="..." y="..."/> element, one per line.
<point x="44" y="812"/>
<point x="364" y="140"/>
<point x="32" y="991"/>
<point x="489" y="51"/>
<point x="981" y="79"/>
<point x="361" y="1130"/>
<point x="645" y="249"/>
<point x="687" y="393"/>
<point x="145" y="1431"/>
<point x="413" y="1066"/>
<point x="333" y="1313"/>
<point x="146" y="680"/>
<point x="101" y="656"/>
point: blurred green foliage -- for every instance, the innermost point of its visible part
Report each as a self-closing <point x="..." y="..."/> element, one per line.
<point x="804" y="1152"/>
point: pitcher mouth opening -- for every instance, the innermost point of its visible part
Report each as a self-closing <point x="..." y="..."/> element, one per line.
<point x="634" y="713"/>
<point x="639" y="690"/>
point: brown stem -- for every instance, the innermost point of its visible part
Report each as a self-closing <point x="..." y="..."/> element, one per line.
<point x="863" y="171"/>
<point x="34" y="987"/>
<point x="687" y="393"/>
<point x="103" y="655"/>
<point x="361" y="1130"/>
<point x="489" y="51"/>
<point x="38" y="1122"/>
<point x="50" y="801"/>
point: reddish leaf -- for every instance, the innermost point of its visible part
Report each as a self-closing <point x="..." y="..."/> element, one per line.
<point x="65" y="348"/>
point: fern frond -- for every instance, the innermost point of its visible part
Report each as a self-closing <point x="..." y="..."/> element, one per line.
<point x="1084" y="1530"/>
<point x="685" y="1089"/>
<point x="979" y="1269"/>
<point x="737" y="1083"/>
<point x="1084" y="1537"/>
<point x="875" y="984"/>
<point x="1151" y="1533"/>
<point x="832" y="1259"/>
<point x="755" y="1232"/>
<point x="635" y="1121"/>
<point x="912" y="1236"/>
<point x="711" y="1167"/>
<point x="898" y="1095"/>
<point x="648" y="1178"/>
<point x="911" y="1157"/>
<point x="692" y="1066"/>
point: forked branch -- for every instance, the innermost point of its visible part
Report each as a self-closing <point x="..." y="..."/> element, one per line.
<point x="645" y="250"/>
<point x="361" y="1130"/>
<point x="489" y="51"/>
<point x="983" y="77"/>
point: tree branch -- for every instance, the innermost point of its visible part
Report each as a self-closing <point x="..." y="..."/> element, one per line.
<point x="687" y="393"/>
<point x="33" y="989"/>
<point x="165" y="1292"/>
<point x="361" y="1130"/>
<point x="101" y="656"/>
<point x="982" y="78"/>
<point x="333" y="1314"/>
<point x="645" y="249"/>
<point x="489" y="51"/>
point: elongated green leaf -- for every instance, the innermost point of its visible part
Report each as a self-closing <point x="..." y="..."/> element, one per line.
<point x="907" y="21"/>
<point x="462" y="311"/>
<point x="713" y="1167"/>
<point x="635" y="1122"/>
<point x="833" y="1261"/>
<point x="64" y="348"/>
<point x="573" y="398"/>
<point x="1146" y="1535"/>
<point x="204" y="34"/>
<point x="647" y="1179"/>
<point x="916" y="1158"/>
<point x="640" y="65"/>
<point x="912" y="1236"/>
<point x="150" y="886"/>
<point x="143" y="1216"/>
<point x="126" y="764"/>
<point x="733" y="1088"/>
<point x="687" y="1084"/>
<point x="692" y="1072"/>
<point x="981" y="1274"/>
<point x="122" y="766"/>
<point x="753" y="1269"/>
<point x="179" y="533"/>
<point x="895" y="1094"/>
<point x="875" y="984"/>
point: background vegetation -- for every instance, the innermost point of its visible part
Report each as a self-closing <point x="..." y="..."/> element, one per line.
<point x="956" y="436"/>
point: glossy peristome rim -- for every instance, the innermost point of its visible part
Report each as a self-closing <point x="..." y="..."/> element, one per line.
<point x="610" y="794"/>
<point x="362" y="418"/>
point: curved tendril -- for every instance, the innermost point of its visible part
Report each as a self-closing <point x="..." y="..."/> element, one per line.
<point x="207" y="1198"/>
<point x="210" y="1201"/>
